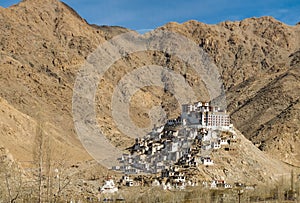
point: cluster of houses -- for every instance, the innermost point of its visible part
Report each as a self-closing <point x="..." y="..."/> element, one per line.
<point x="185" y="142"/>
<point x="214" y="184"/>
<point x="169" y="180"/>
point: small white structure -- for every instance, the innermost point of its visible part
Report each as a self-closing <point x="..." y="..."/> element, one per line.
<point x="167" y="186"/>
<point x="175" y="134"/>
<point x="213" y="184"/>
<point x="159" y="129"/>
<point x="223" y="141"/>
<point x="220" y="184"/>
<point x="206" y="147"/>
<point x="108" y="187"/>
<point x="179" y="179"/>
<point x="207" y="161"/>
<point x="127" y="181"/>
<point x="116" y="168"/>
<point x="155" y="183"/>
<point x="215" y="145"/>
<point x="174" y="147"/>
<point x="226" y="186"/>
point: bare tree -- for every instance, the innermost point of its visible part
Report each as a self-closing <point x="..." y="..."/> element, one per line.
<point x="42" y="156"/>
<point x="50" y="171"/>
<point x="61" y="177"/>
<point x="10" y="179"/>
<point x="38" y="156"/>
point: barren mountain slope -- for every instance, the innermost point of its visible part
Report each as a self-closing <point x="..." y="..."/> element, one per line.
<point x="43" y="43"/>
<point x="19" y="134"/>
<point x="246" y="164"/>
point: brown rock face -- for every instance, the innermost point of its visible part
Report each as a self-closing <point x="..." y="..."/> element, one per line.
<point x="44" y="43"/>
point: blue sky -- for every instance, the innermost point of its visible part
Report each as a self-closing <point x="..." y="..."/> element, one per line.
<point x="149" y="14"/>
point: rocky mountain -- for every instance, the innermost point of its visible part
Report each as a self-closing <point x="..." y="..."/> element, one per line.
<point x="44" y="43"/>
<point x="259" y="61"/>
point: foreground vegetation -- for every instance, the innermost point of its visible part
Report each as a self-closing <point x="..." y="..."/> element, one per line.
<point x="12" y="189"/>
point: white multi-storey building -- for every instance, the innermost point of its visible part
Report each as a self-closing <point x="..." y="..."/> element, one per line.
<point x="202" y="115"/>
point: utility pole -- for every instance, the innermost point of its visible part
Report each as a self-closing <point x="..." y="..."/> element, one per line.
<point x="292" y="180"/>
<point x="240" y="192"/>
<point x="292" y="193"/>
